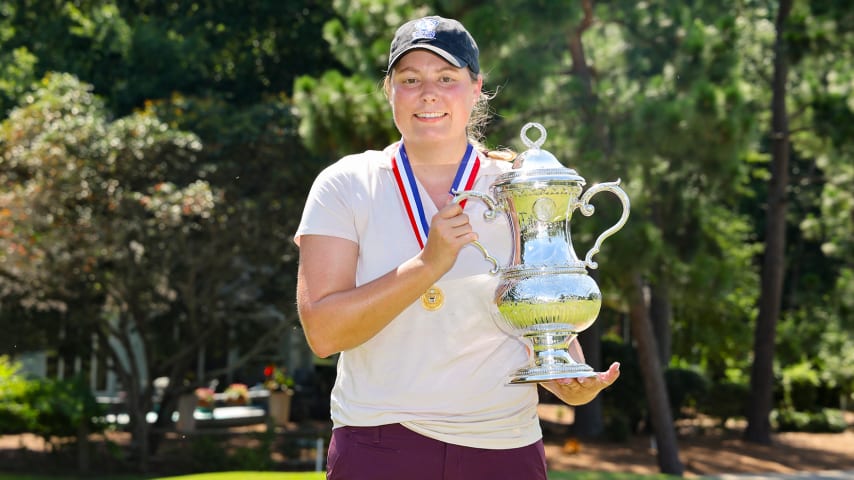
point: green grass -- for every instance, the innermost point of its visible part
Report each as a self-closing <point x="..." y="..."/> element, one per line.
<point x="250" y="476"/>
<point x="317" y="476"/>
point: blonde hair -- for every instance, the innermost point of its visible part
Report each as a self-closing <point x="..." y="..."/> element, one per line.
<point x="478" y="120"/>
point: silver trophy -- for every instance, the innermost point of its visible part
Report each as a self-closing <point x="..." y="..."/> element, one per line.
<point x="545" y="296"/>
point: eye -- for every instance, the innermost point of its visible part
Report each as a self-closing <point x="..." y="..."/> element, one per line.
<point x="446" y="79"/>
<point x="408" y="80"/>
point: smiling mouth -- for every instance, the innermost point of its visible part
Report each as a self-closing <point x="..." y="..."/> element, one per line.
<point x="430" y="115"/>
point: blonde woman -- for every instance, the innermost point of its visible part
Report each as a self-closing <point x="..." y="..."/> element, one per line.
<point x="385" y="279"/>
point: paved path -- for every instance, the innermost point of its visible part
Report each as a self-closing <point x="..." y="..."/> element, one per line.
<point x="826" y="475"/>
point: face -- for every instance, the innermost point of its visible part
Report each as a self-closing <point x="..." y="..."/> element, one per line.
<point x="431" y="99"/>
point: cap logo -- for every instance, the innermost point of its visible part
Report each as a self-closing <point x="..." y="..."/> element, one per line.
<point x="425" y="29"/>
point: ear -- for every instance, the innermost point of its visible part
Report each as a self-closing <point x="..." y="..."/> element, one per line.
<point x="478" y="85"/>
<point x="387" y="87"/>
<point x="477" y="88"/>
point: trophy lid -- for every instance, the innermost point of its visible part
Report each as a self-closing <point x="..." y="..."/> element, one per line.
<point x="537" y="165"/>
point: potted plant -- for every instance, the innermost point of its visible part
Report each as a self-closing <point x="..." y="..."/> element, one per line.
<point x="279" y="384"/>
<point x="237" y="394"/>
<point x="204" y="399"/>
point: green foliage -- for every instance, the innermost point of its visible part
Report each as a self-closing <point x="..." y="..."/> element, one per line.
<point x="725" y="400"/>
<point x="69" y="173"/>
<point x="133" y="51"/>
<point x="686" y="387"/>
<point x="800" y="386"/>
<point x="114" y="218"/>
<point x="64" y="407"/>
<point x="17" y="68"/>
<point x="328" y="104"/>
<point x="46" y="407"/>
<point x="17" y="415"/>
<point x="825" y="420"/>
<point x="835" y="358"/>
<point x="360" y="33"/>
<point x="257" y="457"/>
<point x="623" y="407"/>
<point x="816" y="356"/>
<point x="209" y="453"/>
<point x="343" y="111"/>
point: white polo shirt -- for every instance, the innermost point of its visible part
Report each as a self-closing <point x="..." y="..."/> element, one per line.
<point x="441" y="373"/>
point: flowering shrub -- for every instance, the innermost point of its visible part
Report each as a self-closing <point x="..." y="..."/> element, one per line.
<point x="205" y="397"/>
<point x="237" y="393"/>
<point x="277" y="379"/>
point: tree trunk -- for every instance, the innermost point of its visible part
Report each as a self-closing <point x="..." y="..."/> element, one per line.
<point x="653" y="380"/>
<point x="137" y="410"/>
<point x="83" y="447"/>
<point x="588" y="418"/>
<point x="169" y="401"/>
<point x="588" y="421"/>
<point x="589" y="101"/>
<point x="661" y="315"/>
<point x="762" y="373"/>
<point x="137" y="399"/>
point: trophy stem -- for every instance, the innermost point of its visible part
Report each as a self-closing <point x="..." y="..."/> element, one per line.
<point x="551" y="358"/>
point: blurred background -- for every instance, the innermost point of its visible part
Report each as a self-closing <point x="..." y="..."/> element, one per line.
<point x="155" y="157"/>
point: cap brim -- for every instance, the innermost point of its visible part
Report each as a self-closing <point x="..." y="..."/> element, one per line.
<point x="432" y="48"/>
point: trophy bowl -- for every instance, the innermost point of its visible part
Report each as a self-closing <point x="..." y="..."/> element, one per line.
<point x="545" y="296"/>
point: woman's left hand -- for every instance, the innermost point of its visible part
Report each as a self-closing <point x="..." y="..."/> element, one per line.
<point x="578" y="391"/>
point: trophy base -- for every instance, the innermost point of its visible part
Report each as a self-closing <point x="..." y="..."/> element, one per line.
<point x="545" y="373"/>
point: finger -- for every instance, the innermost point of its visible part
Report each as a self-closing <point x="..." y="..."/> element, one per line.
<point x="450" y="210"/>
<point x="612" y="374"/>
<point x="600" y="380"/>
<point x="452" y="198"/>
<point x="572" y="382"/>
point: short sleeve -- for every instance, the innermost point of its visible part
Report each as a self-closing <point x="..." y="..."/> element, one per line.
<point x="328" y="208"/>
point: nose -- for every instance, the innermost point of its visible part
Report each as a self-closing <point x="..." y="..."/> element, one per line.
<point x="428" y="92"/>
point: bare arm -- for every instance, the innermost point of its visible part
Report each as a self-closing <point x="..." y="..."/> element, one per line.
<point x="336" y="315"/>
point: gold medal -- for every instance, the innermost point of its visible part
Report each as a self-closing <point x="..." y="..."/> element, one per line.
<point x="433" y="298"/>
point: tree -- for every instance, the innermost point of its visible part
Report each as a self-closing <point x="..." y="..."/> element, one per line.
<point x="95" y="232"/>
<point x="671" y="97"/>
<point x="762" y="373"/>
<point x="809" y="161"/>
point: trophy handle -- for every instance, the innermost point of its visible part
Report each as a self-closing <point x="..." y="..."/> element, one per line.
<point x="488" y="215"/>
<point x="587" y="209"/>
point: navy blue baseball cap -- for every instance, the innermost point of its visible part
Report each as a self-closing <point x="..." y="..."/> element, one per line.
<point x="443" y="36"/>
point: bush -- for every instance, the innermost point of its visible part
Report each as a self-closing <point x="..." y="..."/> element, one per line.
<point x="685" y="387"/>
<point x="47" y="407"/>
<point x="16" y="413"/>
<point x="725" y="400"/>
<point x="64" y="406"/>
<point x="209" y="454"/>
<point x="801" y="384"/>
<point x="624" y="403"/>
<point x="617" y="429"/>
<point x="826" y="420"/>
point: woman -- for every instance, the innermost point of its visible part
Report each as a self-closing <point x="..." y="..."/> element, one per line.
<point x="386" y="279"/>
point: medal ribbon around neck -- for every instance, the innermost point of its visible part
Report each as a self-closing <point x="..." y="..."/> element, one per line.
<point x="465" y="177"/>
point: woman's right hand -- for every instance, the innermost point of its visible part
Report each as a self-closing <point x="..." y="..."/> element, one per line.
<point x="450" y="231"/>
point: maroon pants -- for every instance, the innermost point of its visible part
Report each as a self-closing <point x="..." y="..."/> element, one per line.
<point x="394" y="452"/>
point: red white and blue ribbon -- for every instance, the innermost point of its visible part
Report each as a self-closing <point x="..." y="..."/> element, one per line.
<point x="463" y="180"/>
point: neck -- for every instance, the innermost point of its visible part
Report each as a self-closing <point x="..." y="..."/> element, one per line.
<point x="433" y="154"/>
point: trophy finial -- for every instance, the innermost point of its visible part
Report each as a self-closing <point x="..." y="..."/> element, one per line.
<point x="534" y="157"/>
<point x="527" y="140"/>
